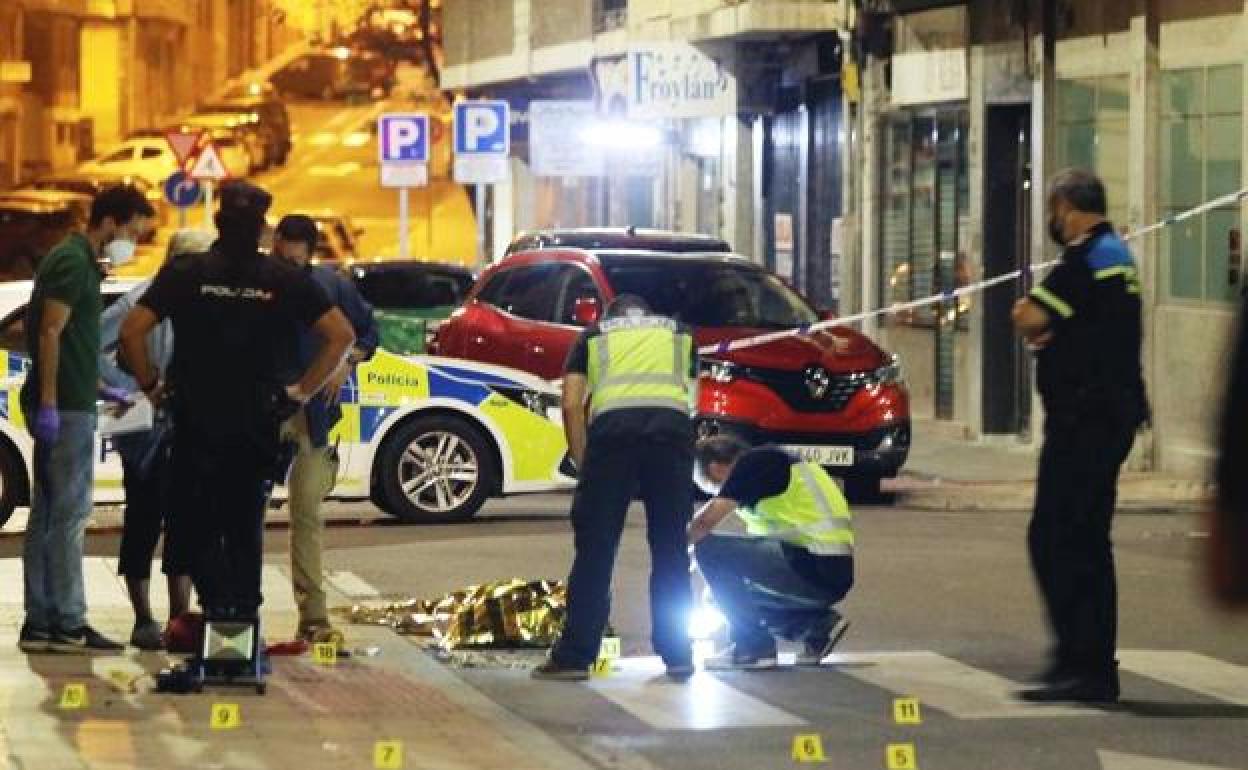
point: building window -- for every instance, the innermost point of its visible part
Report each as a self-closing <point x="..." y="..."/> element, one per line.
<point x="1092" y="134"/>
<point x="1201" y="159"/>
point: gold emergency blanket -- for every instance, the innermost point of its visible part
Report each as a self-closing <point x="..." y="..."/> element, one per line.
<point x="511" y="613"/>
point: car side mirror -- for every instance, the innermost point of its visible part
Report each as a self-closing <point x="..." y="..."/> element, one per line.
<point x="586" y="311"/>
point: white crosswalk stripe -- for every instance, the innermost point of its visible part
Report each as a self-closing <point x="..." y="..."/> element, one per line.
<point x="1208" y="676"/>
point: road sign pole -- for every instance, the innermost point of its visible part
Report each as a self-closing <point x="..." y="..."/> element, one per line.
<point x="480" y="198"/>
<point x="403" y="224"/>
<point x="181" y="217"/>
<point x="208" y="189"/>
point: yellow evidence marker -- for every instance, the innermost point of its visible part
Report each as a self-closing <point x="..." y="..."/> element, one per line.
<point x="610" y="648"/>
<point x="808" y="748"/>
<point x="226" y="716"/>
<point x="600" y="667"/>
<point x="74" y="696"/>
<point x="325" y="653"/>
<point x="388" y="755"/>
<point x="900" y="756"/>
<point x="906" y="711"/>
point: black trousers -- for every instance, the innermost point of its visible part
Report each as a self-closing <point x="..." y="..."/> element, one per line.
<point x="663" y="471"/>
<point x="220" y="496"/>
<point x="146" y="476"/>
<point x="1069" y="537"/>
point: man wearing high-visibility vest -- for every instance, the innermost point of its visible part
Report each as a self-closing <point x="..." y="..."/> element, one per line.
<point x="796" y="562"/>
<point x="635" y="375"/>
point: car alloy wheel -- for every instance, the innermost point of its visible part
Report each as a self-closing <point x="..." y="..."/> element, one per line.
<point x="438" y="472"/>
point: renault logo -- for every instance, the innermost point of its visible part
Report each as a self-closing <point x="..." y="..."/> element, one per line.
<point x="818" y="381"/>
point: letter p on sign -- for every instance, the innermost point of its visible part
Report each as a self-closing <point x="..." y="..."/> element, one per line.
<point x="482" y="127"/>
<point x="404" y="137"/>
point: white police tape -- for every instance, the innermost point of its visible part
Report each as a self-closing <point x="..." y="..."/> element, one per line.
<point x="954" y="294"/>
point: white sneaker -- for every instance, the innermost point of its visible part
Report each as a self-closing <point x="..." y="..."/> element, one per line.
<point x="731" y="660"/>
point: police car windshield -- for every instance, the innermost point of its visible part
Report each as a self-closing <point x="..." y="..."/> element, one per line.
<point x="709" y="293"/>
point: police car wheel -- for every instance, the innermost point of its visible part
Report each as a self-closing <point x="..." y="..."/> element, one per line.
<point x="14" y="487"/>
<point x="436" y="469"/>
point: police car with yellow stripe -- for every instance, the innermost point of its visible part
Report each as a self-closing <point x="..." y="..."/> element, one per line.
<point x="427" y="439"/>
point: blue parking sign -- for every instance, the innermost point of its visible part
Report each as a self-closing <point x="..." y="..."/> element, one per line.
<point x="482" y="127"/>
<point x="403" y="137"/>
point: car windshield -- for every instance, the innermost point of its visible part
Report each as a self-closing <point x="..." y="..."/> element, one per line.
<point x="704" y="293"/>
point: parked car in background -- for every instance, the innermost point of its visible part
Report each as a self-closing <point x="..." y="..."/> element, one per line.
<point x="339" y="238"/>
<point x="833" y="397"/>
<point x="32" y="222"/>
<point x="91" y="183"/>
<point x="411" y="298"/>
<point x="326" y="75"/>
<point x="617" y="238"/>
<point x="146" y="157"/>
<point x="267" y="113"/>
<point x="246" y="133"/>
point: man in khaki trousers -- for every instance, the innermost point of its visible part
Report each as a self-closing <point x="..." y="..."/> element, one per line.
<point x="315" y="467"/>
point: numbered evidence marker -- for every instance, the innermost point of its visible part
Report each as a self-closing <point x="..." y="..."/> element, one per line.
<point x="74" y="696"/>
<point x="900" y="756"/>
<point x="906" y="711"/>
<point x="808" y="748"/>
<point x="325" y="653"/>
<point x="226" y="716"/>
<point x="388" y="755"/>
<point x="610" y="648"/>
<point x="600" y="667"/>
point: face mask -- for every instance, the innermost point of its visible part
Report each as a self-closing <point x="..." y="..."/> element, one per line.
<point x="119" y="251"/>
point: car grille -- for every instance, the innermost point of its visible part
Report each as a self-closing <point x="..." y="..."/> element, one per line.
<point x="792" y="387"/>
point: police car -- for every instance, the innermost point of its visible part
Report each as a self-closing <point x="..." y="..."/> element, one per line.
<point x="426" y="439"/>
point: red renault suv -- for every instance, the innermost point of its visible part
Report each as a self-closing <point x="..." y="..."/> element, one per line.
<point x="833" y="396"/>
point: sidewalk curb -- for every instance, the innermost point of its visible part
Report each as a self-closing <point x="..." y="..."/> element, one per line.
<point x="270" y="525"/>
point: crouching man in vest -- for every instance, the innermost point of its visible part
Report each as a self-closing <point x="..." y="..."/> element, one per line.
<point x="796" y="562"/>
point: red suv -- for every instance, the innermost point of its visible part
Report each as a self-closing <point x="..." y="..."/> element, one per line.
<point x="833" y="396"/>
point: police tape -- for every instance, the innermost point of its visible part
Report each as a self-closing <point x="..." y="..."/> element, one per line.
<point x="962" y="291"/>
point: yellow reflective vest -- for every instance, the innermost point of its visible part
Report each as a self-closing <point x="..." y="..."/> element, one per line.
<point x="811" y="513"/>
<point x="642" y="361"/>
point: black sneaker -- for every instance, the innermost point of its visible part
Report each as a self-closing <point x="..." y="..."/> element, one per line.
<point x="33" y="640"/>
<point x="83" y="640"/>
<point x="733" y="660"/>
<point x="557" y="672"/>
<point x="819" y="646"/>
<point x="1100" y="690"/>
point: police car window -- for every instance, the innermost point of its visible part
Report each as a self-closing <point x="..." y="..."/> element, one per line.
<point x="151" y="152"/>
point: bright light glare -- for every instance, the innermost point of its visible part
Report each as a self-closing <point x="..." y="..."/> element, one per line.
<point x="342" y="52"/>
<point x="622" y="134"/>
<point x="704" y="621"/>
<point x="707" y="139"/>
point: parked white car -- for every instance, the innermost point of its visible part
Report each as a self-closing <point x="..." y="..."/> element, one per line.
<point x="149" y="158"/>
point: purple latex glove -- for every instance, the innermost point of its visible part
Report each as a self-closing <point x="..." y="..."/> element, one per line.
<point x="117" y="395"/>
<point x="47" y="425"/>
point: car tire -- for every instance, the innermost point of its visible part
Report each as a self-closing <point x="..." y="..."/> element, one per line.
<point x="14" y="484"/>
<point x="439" y="439"/>
<point x="862" y="489"/>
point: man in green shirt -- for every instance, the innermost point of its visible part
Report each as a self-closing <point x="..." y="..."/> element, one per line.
<point x="58" y="400"/>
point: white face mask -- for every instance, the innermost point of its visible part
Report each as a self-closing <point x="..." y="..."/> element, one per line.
<point x="120" y="251"/>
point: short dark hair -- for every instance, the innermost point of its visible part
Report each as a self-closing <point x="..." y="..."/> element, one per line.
<point x="298" y="227"/>
<point x="1081" y="189"/>
<point x="121" y="203"/>
<point x="627" y="304"/>
<point x="723" y="448"/>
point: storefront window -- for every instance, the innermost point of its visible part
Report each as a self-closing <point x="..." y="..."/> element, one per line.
<point x="1092" y="134"/>
<point x="1201" y="158"/>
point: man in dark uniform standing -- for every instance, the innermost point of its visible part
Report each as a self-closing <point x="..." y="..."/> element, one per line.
<point x="635" y="375"/>
<point x="1084" y="323"/>
<point x="237" y="314"/>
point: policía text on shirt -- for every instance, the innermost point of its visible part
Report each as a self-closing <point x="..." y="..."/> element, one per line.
<point x="236" y="292"/>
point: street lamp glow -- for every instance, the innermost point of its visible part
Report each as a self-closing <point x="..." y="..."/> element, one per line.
<point x="622" y="134"/>
<point x="342" y="52"/>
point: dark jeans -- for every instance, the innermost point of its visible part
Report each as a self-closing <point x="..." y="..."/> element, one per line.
<point x="759" y="591"/>
<point x="614" y="468"/>
<point x="146" y="476"/>
<point x="218" y="506"/>
<point x="1069" y="536"/>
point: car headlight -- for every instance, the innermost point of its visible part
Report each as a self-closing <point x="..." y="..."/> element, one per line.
<point x="890" y="373"/>
<point x="541" y="404"/>
<point x="720" y="371"/>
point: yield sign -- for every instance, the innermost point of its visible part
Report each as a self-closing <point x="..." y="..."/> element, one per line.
<point x="208" y="165"/>
<point x="183" y="144"/>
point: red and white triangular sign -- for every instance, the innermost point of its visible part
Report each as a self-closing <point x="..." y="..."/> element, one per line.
<point x="209" y="165"/>
<point x="183" y="144"/>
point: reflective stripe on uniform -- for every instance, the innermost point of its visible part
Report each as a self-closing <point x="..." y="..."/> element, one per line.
<point x="1052" y="301"/>
<point x="629" y="376"/>
<point x="830" y="532"/>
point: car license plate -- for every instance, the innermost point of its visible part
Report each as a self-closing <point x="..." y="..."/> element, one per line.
<point x="825" y="455"/>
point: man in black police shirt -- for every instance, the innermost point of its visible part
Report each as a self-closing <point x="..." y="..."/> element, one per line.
<point x="236" y="314"/>
<point x="1083" y="322"/>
